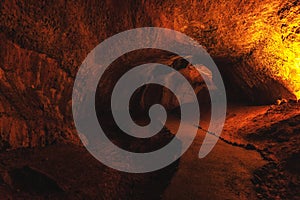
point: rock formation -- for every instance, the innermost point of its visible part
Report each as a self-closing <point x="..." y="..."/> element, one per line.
<point x="254" y="43"/>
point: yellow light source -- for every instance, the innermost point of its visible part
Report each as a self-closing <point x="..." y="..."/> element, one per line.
<point x="280" y="55"/>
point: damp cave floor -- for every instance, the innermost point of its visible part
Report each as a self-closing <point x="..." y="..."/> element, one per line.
<point x="253" y="138"/>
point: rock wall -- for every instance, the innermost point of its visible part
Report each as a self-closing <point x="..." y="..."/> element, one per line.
<point x="255" y="43"/>
<point x="34" y="108"/>
<point x="43" y="43"/>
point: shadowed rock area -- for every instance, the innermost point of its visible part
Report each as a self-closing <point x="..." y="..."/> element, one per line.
<point x="68" y="171"/>
<point x="43" y="44"/>
<point x="255" y="45"/>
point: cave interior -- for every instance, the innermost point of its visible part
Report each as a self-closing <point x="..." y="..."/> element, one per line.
<point x="255" y="46"/>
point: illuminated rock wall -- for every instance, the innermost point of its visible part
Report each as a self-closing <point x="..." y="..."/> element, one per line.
<point x="255" y="44"/>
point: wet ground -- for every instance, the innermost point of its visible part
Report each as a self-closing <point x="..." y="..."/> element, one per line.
<point x="257" y="157"/>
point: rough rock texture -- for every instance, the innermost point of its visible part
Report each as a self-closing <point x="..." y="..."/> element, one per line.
<point x="254" y="42"/>
<point x="151" y="94"/>
<point x="34" y="110"/>
<point x="273" y="131"/>
<point x="43" y="43"/>
<point x="66" y="171"/>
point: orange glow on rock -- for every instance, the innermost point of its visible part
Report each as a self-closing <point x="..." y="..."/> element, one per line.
<point x="280" y="54"/>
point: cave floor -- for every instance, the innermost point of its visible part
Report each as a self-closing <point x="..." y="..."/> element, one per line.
<point x="256" y="157"/>
<point x="225" y="173"/>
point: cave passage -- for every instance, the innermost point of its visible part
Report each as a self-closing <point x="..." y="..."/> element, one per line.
<point x="256" y="47"/>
